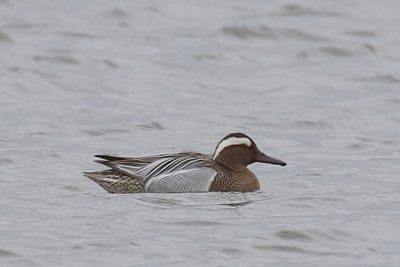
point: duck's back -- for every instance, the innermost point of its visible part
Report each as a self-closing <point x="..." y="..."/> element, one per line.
<point x="167" y="173"/>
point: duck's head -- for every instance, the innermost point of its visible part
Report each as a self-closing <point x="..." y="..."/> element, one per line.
<point x="238" y="150"/>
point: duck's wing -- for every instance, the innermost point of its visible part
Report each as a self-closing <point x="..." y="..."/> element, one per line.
<point x="186" y="180"/>
<point x="167" y="173"/>
<point x="158" y="165"/>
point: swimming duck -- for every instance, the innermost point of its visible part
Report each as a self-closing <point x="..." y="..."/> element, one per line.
<point x="225" y="170"/>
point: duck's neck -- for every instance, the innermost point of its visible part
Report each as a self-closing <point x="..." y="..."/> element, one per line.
<point x="234" y="157"/>
<point x="230" y="165"/>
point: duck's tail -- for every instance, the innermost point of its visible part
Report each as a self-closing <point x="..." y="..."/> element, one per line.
<point x="115" y="182"/>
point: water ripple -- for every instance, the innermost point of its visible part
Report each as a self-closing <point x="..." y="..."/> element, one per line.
<point x="4" y="38"/>
<point x="292" y="235"/>
<point x="5" y="253"/>
<point x="299" y="250"/>
<point x="245" y="33"/>
<point x="67" y="60"/>
<point x="299" y="10"/>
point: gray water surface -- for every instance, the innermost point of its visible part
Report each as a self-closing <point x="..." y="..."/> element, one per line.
<point x="314" y="83"/>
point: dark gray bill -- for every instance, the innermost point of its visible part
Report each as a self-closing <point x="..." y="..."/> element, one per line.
<point x="261" y="157"/>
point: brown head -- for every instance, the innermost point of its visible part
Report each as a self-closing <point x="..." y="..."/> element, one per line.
<point x="237" y="150"/>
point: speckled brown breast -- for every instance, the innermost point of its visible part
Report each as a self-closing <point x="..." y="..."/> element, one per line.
<point x="242" y="180"/>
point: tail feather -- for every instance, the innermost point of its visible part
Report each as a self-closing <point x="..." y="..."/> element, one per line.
<point x="106" y="163"/>
<point x="108" y="157"/>
<point x="97" y="176"/>
<point x="114" y="182"/>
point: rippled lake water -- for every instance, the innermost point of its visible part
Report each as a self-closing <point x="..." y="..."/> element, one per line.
<point x="315" y="83"/>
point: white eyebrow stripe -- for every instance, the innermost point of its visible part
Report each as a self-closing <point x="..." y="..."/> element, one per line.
<point x="231" y="141"/>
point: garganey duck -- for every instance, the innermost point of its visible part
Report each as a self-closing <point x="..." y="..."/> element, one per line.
<point x="225" y="170"/>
